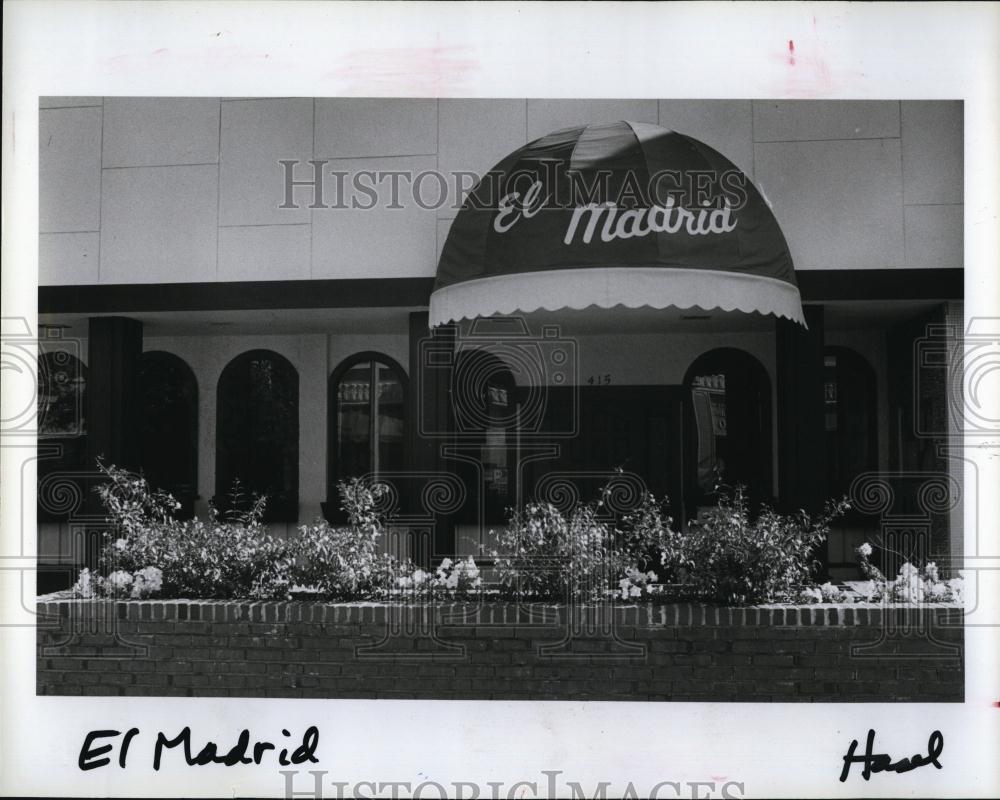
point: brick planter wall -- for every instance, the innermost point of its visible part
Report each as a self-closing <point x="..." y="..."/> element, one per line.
<point x="506" y="652"/>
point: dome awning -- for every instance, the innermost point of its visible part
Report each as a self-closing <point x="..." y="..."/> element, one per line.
<point x="624" y="214"/>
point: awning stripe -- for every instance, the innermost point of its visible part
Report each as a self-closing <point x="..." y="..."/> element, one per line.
<point x="628" y="287"/>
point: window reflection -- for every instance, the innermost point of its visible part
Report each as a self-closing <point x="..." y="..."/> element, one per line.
<point x="729" y="426"/>
<point x="368" y="418"/>
<point x="708" y="395"/>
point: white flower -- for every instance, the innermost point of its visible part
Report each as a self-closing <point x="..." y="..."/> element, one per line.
<point x="829" y="593"/>
<point x="120" y="544"/>
<point x="147" y="581"/>
<point x="119" y="581"/>
<point x="908" y="571"/>
<point x="866" y="589"/>
<point x="84" y="586"/>
<point x="865" y="550"/>
<point x="809" y="596"/>
<point x="938" y="590"/>
<point x="915" y="592"/>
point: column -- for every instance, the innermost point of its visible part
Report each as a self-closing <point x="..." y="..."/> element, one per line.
<point x="114" y="409"/>
<point x="801" y="428"/>
<point x="431" y="356"/>
<point x="114" y="391"/>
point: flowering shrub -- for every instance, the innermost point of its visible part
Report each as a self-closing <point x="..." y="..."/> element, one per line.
<point x="344" y="562"/>
<point x="457" y="580"/>
<point x="636" y="584"/>
<point x="585" y="554"/>
<point x="544" y="554"/>
<point x="734" y="558"/>
<point x="825" y="593"/>
<point x="416" y="581"/>
<point x="87" y="584"/>
<point x="224" y="558"/>
<point x="130" y="502"/>
<point x="911" y="585"/>
<point x="146" y="582"/>
<point x="154" y="554"/>
<point x="207" y="559"/>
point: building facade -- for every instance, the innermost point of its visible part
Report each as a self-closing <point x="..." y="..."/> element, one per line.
<point x="216" y="305"/>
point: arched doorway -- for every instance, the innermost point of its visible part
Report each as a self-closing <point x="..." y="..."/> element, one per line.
<point x="727" y="425"/>
<point x="486" y="409"/>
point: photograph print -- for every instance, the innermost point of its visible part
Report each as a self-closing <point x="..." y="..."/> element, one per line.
<point x="501" y="399"/>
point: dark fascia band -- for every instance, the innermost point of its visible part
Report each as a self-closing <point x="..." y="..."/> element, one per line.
<point x="814" y="286"/>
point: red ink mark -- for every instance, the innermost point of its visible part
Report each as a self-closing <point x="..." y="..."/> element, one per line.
<point x="808" y="69"/>
<point x="996" y="704"/>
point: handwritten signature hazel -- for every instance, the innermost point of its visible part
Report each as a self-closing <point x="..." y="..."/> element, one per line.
<point x="881" y="762"/>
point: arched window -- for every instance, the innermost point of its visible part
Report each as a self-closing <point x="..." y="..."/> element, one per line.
<point x="257" y="437"/>
<point x="62" y="428"/>
<point x="366" y="403"/>
<point x="728" y="423"/>
<point x="851" y="425"/>
<point x="169" y="442"/>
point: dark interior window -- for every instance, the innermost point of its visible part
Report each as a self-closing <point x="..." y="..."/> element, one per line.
<point x="728" y="424"/>
<point x="258" y="433"/>
<point x="170" y="427"/>
<point x="367" y="418"/>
